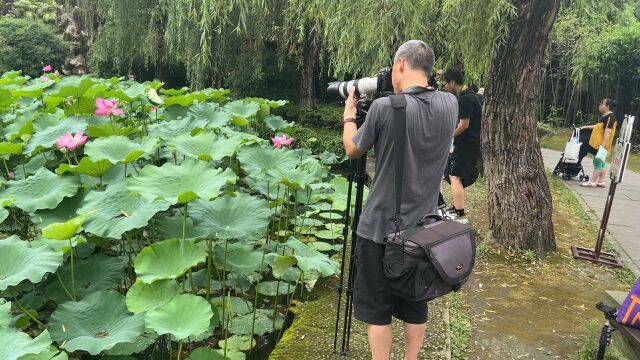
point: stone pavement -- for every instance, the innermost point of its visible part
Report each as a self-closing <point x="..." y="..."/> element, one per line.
<point x="624" y="223"/>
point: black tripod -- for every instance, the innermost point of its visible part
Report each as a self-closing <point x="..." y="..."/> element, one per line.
<point x="357" y="173"/>
<point x="607" y="329"/>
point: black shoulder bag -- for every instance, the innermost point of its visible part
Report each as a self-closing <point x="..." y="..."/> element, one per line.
<point x="433" y="257"/>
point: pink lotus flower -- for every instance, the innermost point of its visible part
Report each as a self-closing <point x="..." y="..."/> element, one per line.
<point x="44" y="79"/>
<point x="280" y="141"/>
<point x="153" y="109"/>
<point x="11" y="175"/>
<point x="57" y="73"/>
<point x="47" y="68"/>
<point x="106" y="107"/>
<point x="71" y="142"/>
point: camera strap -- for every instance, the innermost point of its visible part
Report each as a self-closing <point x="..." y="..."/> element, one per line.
<point x="399" y="103"/>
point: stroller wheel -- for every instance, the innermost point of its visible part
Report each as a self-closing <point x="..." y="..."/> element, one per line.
<point x="586" y="178"/>
<point x="581" y="177"/>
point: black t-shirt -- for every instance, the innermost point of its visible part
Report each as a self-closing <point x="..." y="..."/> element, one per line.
<point x="469" y="107"/>
<point x="609" y="121"/>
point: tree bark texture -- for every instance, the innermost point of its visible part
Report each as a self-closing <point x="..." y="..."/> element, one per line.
<point x="519" y="199"/>
<point x="309" y="70"/>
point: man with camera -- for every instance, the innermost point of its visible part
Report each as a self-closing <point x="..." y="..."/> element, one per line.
<point x="463" y="168"/>
<point x="430" y="120"/>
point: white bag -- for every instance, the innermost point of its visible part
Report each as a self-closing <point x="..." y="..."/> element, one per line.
<point x="572" y="149"/>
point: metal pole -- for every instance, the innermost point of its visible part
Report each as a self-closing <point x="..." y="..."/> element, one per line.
<point x="605" y="219"/>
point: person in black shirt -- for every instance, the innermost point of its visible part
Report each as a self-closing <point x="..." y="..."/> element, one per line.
<point x="601" y="135"/>
<point x="463" y="167"/>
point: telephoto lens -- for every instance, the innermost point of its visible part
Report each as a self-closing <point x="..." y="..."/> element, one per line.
<point x="368" y="88"/>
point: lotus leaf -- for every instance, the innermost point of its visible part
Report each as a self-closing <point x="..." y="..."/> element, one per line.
<point x="242" y="217"/>
<point x="310" y="259"/>
<point x="144" y="297"/>
<point x="205" y="146"/>
<point x="275" y="288"/>
<point x="277" y="122"/>
<point x="242" y="108"/>
<point x="327" y="234"/>
<point x="95" y="324"/>
<point x="119" y="149"/>
<point x="237" y="342"/>
<point x="185" y="100"/>
<point x="184" y="316"/>
<point x="5" y="313"/>
<point x="241" y="258"/>
<point x="169" y="227"/>
<point x="65" y="230"/>
<point x="281" y="264"/>
<point x="19" y="262"/>
<point x="65" y="211"/>
<point x="58" y="245"/>
<point x="330" y="215"/>
<point x="96" y="273"/>
<point x="44" y="190"/>
<point x="116" y="211"/>
<point x="167" y="259"/>
<point x="328" y="158"/>
<point x="206" y="354"/>
<point x="52" y="354"/>
<point x="105" y="130"/>
<point x="239" y="306"/>
<point x="10" y="148"/>
<point x="321" y="246"/>
<point x="192" y="179"/>
<point x="339" y="197"/>
<point x="87" y="167"/>
<point x="263" y="323"/>
<point x="170" y="129"/>
<point x="215" y="116"/>
<point x="34" y="90"/>
<point x="257" y="160"/>
<point x="139" y="345"/>
<point x="46" y="138"/>
<point x="14" y="343"/>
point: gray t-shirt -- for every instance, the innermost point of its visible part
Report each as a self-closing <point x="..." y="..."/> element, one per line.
<point x="431" y="119"/>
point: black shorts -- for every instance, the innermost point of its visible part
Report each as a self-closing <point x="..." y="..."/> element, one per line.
<point x="464" y="163"/>
<point x="373" y="304"/>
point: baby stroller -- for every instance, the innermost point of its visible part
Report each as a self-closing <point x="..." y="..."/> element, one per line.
<point x="569" y="165"/>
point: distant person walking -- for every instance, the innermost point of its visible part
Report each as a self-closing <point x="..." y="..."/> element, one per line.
<point x="602" y="134"/>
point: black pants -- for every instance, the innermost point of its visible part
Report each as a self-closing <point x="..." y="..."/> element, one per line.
<point x="585" y="148"/>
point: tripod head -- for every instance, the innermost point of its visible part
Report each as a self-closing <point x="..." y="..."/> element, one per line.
<point x="609" y="312"/>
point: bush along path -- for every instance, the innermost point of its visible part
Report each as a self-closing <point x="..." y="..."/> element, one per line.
<point x="142" y="221"/>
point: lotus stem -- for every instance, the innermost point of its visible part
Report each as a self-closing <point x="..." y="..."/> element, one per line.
<point x="255" y="303"/>
<point x="224" y="283"/>
<point x="64" y="287"/>
<point x="179" y="350"/>
<point x="209" y="260"/>
<point x="125" y="170"/>
<point x="73" y="274"/>
<point x="6" y="167"/>
<point x="24" y="172"/>
<point x="25" y="311"/>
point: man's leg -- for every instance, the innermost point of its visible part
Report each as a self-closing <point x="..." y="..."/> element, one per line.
<point x="380" y="337"/>
<point x="457" y="190"/>
<point x="413" y="340"/>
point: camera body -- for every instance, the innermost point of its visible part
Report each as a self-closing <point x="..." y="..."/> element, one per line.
<point x="369" y="88"/>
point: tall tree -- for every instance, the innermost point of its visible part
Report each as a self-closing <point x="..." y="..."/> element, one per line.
<point x="519" y="198"/>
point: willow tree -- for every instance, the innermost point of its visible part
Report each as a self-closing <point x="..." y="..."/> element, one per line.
<point x="519" y="199"/>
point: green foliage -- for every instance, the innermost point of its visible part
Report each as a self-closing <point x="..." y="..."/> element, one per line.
<point x="544" y="130"/>
<point x="44" y="10"/>
<point x="590" y="344"/>
<point x="28" y="45"/>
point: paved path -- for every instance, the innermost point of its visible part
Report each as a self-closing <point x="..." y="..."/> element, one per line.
<point x="624" y="222"/>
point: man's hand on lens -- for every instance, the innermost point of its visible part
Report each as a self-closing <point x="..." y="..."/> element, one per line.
<point x="350" y="105"/>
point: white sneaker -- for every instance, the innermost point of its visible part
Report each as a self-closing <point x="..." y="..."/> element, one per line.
<point x="451" y="214"/>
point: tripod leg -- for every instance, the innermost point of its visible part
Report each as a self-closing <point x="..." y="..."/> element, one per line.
<point x="345" y="231"/>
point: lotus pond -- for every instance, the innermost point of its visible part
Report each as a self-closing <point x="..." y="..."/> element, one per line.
<point x="138" y="222"/>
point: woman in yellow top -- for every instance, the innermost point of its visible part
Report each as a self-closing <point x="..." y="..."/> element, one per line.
<point x="601" y="137"/>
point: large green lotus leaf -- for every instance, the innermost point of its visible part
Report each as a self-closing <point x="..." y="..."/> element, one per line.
<point x="266" y="186"/>
<point x="186" y="182"/>
<point x="237" y="342"/>
<point x="309" y="259"/>
<point x="206" y="354"/>
<point x="277" y="122"/>
<point x="35" y="163"/>
<point x="46" y="138"/>
<point x="257" y="160"/>
<point x="116" y="211"/>
<point x="242" y="217"/>
<point x="86" y="167"/>
<point x="237" y="306"/>
<point x="169" y="129"/>
<point x="184" y="316"/>
<point x="65" y="211"/>
<point x="119" y="149"/>
<point x="52" y="354"/>
<point x="139" y="345"/>
<point x="246" y="109"/>
<point x="185" y="100"/>
<point x="242" y="259"/>
<point x="105" y="130"/>
<point x="34" y="90"/>
<point x="18" y="262"/>
<point x="144" y="297"/>
<point x="65" y="230"/>
<point x="44" y="190"/>
<point x="167" y="259"/>
<point x="170" y="227"/>
<point x="205" y="146"/>
<point x="11" y="148"/>
<point x="5" y="313"/>
<point x="97" y="323"/>
<point x="93" y="274"/>
<point x="282" y="264"/>
<point x="263" y="323"/>
<point x="4" y="214"/>
<point x="14" y="343"/>
<point x="275" y="288"/>
<point x="339" y="197"/>
<point x="57" y="245"/>
<point x="215" y="116"/>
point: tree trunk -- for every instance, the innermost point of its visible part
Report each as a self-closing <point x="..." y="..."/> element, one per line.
<point x="310" y="55"/>
<point x="519" y="198"/>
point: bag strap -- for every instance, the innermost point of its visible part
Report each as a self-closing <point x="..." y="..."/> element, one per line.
<point x="399" y="104"/>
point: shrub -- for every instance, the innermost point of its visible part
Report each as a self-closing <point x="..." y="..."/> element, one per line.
<point x="27" y="45"/>
<point x="544" y="130"/>
<point x="323" y="116"/>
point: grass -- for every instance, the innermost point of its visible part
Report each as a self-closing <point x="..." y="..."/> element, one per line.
<point x="558" y="140"/>
<point x="460" y="326"/>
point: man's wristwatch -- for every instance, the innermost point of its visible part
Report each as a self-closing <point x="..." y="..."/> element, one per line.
<point x="348" y="119"/>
